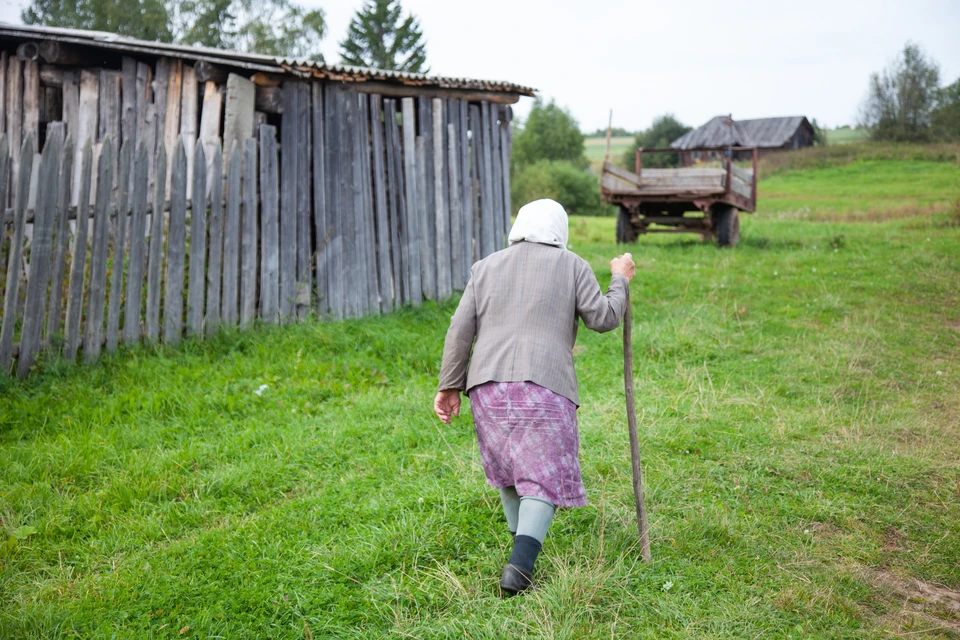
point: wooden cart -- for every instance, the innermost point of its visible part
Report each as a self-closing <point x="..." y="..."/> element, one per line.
<point x="699" y="199"/>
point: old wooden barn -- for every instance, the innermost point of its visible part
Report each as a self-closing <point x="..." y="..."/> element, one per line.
<point x="286" y="188"/>
<point x="711" y="139"/>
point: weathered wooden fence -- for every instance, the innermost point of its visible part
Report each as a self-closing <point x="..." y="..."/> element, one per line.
<point x="365" y="204"/>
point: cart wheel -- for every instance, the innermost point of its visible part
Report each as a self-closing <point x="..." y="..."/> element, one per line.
<point x="625" y="232"/>
<point x="726" y="225"/>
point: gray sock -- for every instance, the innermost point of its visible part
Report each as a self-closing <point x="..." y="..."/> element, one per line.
<point x="534" y="517"/>
<point x="511" y="507"/>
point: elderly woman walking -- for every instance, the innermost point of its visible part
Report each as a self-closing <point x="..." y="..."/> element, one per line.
<point x="520" y="313"/>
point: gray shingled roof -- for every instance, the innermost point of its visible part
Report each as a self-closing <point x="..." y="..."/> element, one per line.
<point x="723" y="131"/>
<point x="251" y="61"/>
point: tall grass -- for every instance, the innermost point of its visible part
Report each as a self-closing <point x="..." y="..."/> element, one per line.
<point x="842" y="154"/>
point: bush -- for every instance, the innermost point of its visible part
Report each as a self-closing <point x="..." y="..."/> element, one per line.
<point x="576" y="189"/>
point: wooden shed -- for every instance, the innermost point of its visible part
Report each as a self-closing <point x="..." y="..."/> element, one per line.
<point x="767" y="134"/>
<point x="287" y="188"/>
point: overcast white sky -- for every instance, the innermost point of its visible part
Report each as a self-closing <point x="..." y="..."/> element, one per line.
<point x="696" y="59"/>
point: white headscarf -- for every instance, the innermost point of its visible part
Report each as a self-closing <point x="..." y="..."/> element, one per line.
<point x="542" y="221"/>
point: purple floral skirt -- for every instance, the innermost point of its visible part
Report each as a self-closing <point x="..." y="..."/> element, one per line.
<point x="528" y="439"/>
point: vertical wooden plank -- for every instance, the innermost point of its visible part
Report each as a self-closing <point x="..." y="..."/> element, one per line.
<point x="3" y="92"/>
<point x="188" y="120"/>
<point x="442" y="246"/>
<point x="304" y="268"/>
<point x="349" y="180"/>
<point x="14" y="112"/>
<point x="93" y="328"/>
<point x="198" y="243"/>
<point x="320" y="199"/>
<point x="34" y="183"/>
<point x="144" y="126"/>
<point x="171" y="121"/>
<point x="128" y="111"/>
<point x="269" y="227"/>
<point x="5" y="228"/>
<point x="64" y="180"/>
<point x="210" y="120"/>
<point x="176" y="243"/>
<point x="138" y="227"/>
<point x="248" y="239"/>
<point x="506" y="116"/>
<point x="12" y="290"/>
<point x="229" y="312"/>
<point x="86" y="123"/>
<point x="487" y="226"/>
<point x="109" y="120"/>
<point x="119" y="250"/>
<point x="428" y="224"/>
<point x="31" y="100"/>
<point x="71" y="105"/>
<point x="214" y="262"/>
<point x="334" y="167"/>
<point x="366" y="220"/>
<point x="466" y="193"/>
<point x="497" y="181"/>
<point x="155" y="259"/>
<point x="385" y="266"/>
<point x="40" y="256"/>
<point x="394" y="200"/>
<point x="79" y="258"/>
<point x="412" y="245"/>
<point x="289" y="135"/>
<point x="238" y="117"/>
<point x="476" y="156"/>
<point x="425" y="247"/>
<point x="456" y="233"/>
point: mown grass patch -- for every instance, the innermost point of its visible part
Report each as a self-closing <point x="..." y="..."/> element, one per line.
<point x="799" y="411"/>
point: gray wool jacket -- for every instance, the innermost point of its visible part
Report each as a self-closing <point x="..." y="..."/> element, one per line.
<point x="520" y="313"/>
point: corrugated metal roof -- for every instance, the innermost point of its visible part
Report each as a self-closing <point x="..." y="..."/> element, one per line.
<point x="252" y="61"/>
<point x="723" y="131"/>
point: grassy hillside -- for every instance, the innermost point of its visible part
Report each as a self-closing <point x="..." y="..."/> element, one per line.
<point x="799" y="404"/>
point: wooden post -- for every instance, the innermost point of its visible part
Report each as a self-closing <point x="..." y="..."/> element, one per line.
<point x="176" y="246"/>
<point x="422" y="214"/>
<point x="395" y="204"/>
<point x="248" y="238"/>
<point x="93" y="328"/>
<point x="238" y="110"/>
<point x="428" y="224"/>
<point x="349" y="192"/>
<point x="128" y="113"/>
<point x="304" y="268"/>
<point x="476" y="159"/>
<point x="109" y="121"/>
<point x="40" y="257"/>
<point x="229" y="312"/>
<point x="456" y="219"/>
<point x="269" y="227"/>
<point x="10" y="299"/>
<point x="371" y="303"/>
<point x="87" y="121"/>
<point x="119" y="249"/>
<point x="334" y="166"/>
<point x="138" y="224"/>
<point x="31" y="100"/>
<point x="214" y="261"/>
<point x="442" y="245"/>
<point x="198" y="241"/>
<point x="171" y="124"/>
<point x="14" y="111"/>
<point x="188" y="121"/>
<point x="505" y="143"/>
<point x="210" y="121"/>
<point x="380" y="204"/>
<point x="155" y="259"/>
<point x="64" y="180"/>
<point x="289" y="135"/>
<point x="411" y="256"/>
<point x="496" y="180"/>
<point x="487" y="226"/>
<point x="320" y="200"/>
<point x="467" y="197"/>
<point x="79" y="258"/>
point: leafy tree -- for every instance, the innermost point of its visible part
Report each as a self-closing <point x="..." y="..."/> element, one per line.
<point x="575" y="188"/>
<point x="380" y="37"/>
<point x="617" y="132"/>
<point x="901" y="98"/>
<point x="819" y="134"/>
<point x="144" y="19"/>
<point x="272" y="27"/>
<point x="549" y="133"/>
<point x="664" y="130"/>
<point x="945" y="119"/>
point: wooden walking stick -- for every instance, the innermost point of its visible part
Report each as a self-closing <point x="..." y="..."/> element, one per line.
<point x="632" y="427"/>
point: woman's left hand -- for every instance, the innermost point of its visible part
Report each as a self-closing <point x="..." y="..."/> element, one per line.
<point x="446" y="404"/>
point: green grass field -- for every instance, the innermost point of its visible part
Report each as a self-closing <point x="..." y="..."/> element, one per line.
<point x="846" y="136"/>
<point x="799" y="405"/>
<point x="595" y="148"/>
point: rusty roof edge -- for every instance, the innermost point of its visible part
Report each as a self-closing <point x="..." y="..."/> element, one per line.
<point x="255" y="62"/>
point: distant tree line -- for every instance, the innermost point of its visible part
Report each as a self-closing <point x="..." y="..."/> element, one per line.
<point x="905" y="102"/>
<point x="378" y="36"/>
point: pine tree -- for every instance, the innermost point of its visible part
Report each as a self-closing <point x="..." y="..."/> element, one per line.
<point x="379" y="37"/>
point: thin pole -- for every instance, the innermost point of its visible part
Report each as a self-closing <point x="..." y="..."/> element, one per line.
<point x="634" y="440"/>
<point x="606" y="155"/>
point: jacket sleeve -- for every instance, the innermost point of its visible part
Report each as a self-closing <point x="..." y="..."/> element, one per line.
<point x="600" y="312"/>
<point x="459" y="341"/>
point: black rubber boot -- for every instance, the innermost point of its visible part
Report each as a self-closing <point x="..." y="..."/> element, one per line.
<point x="515" y="580"/>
